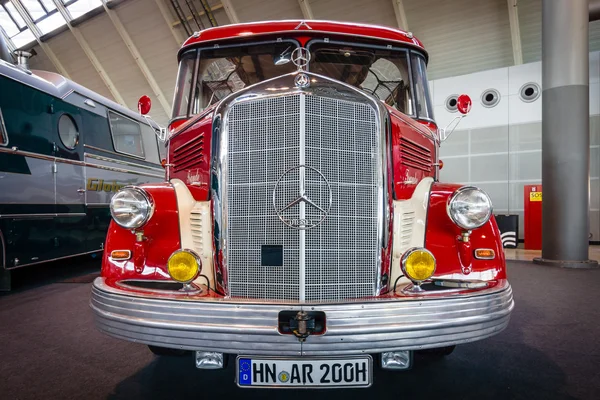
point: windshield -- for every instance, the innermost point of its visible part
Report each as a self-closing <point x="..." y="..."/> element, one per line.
<point x="222" y="71"/>
<point x="383" y="73"/>
<point x="206" y="76"/>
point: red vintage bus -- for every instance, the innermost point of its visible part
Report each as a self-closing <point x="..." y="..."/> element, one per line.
<point x="302" y="231"/>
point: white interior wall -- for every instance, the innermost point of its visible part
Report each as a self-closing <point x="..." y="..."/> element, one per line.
<point x="499" y="148"/>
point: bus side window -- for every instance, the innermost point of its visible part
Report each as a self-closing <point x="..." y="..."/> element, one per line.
<point x="150" y="144"/>
<point x="126" y="134"/>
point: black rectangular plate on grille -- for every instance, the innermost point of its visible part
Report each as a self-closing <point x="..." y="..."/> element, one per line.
<point x="271" y="255"/>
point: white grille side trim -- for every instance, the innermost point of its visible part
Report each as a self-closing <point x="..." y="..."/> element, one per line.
<point x="410" y="217"/>
<point x="195" y="229"/>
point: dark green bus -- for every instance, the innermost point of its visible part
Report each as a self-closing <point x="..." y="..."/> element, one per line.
<point x="64" y="151"/>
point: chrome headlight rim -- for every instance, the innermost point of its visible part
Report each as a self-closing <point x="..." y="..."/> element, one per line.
<point x="198" y="264"/>
<point x="146" y="197"/>
<point x="458" y="192"/>
<point x="404" y="259"/>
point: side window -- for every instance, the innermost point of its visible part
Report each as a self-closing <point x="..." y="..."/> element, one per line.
<point x="3" y="133"/>
<point x="68" y="132"/>
<point x="423" y="99"/>
<point x="127" y="135"/>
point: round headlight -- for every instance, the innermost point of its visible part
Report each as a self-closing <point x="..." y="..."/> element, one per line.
<point x="184" y="266"/>
<point x="470" y="207"/>
<point x="418" y="264"/>
<point x="131" y="207"/>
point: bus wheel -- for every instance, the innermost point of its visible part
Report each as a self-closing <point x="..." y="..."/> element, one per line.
<point x="164" y="351"/>
<point x="439" y="352"/>
<point x="4" y="280"/>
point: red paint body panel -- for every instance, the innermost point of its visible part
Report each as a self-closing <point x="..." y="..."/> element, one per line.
<point x="189" y="156"/>
<point x="311" y="28"/>
<point x="148" y="258"/>
<point x="451" y="254"/>
<point x="413" y="153"/>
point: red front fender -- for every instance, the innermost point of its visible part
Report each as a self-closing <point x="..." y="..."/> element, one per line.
<point x="161" y="238"/>
<point x="455" y="258"/>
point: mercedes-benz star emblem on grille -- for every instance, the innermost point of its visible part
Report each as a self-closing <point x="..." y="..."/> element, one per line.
<point x="300" y="57"/>
<point x="302" y="81"/>
<point x="302" y="212"/>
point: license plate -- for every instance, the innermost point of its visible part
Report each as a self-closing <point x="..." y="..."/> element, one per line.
<point x="304" y="372"/>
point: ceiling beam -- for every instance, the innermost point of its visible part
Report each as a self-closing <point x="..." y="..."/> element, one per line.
<point x="400" y="14"/>
<point x="137" y="57"/>
<point x="8" y="40"/>
<point x="515" y="31"/>
<point x="164" y="11"/>
<point x="38" y="34"/>
<point x="230" y="11"/>
<point x="199" y="14"/>
<point x="89" y="53"/>
<point x="306" y="9"/>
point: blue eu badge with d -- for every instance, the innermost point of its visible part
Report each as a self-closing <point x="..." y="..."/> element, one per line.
<point x="245" y="371"/>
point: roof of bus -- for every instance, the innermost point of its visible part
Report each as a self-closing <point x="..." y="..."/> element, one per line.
<point x="58" y="86"/>
<point x="253" y="29"/>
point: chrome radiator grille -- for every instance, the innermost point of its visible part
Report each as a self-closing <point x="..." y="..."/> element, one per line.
<point x="271" y="137"/>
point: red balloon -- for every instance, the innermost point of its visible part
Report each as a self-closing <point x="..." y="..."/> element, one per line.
<point x="144" y="105"/>
<point x="463" y="104"/>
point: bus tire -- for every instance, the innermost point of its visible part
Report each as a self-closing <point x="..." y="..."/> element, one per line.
<point x="165" y="351"/>
<point x="438" y="352"/>
<point x="5" y="281"/>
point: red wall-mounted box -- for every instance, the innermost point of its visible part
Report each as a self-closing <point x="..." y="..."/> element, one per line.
<point x="533" y="216"/>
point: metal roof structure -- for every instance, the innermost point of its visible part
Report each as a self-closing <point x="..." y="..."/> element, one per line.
<point x="126" y="48"/>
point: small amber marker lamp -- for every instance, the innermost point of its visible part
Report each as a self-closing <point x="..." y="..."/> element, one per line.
<point x="418" y="265"/>
<point x="184" y="266"/>
<point x="120" y="255"/>
<point x="485" y="254"/>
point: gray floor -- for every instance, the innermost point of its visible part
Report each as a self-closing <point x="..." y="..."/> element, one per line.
<point x="51" y="350"/>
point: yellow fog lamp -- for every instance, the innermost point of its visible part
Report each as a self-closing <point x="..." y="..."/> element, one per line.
<point x="184" y="266"/>
<point x="418" y="265"/>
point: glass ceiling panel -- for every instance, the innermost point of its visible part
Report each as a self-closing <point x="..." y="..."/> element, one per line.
<point x="15" y="14"/>
<point x="23" y="38"/>
<point x="34" y="8"/>
<point x="51" y="23"/>
<point x="48" y="4"/>
<point x="43" y="13"/>
<point x="82" y="7"/>
<point x="7" y="23"/>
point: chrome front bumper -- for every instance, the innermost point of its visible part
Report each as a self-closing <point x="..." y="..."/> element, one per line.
<point x="239" y="327"/>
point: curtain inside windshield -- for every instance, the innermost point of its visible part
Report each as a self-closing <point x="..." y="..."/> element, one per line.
<point x="380" y="72"/>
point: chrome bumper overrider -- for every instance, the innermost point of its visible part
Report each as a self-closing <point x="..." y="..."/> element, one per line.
<point x="239" y="327"/>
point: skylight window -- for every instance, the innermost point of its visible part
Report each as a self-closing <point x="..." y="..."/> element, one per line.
<point x="7" y="23"/>
<point x="34" y="8"/>
<point x="15" y="15"/>
<point x="48" y="5"/>
<point x="24" y="38"/>
<point x="51" y="23"/>
<point x="44" y="15"/>
<point x="82" y="7"/>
